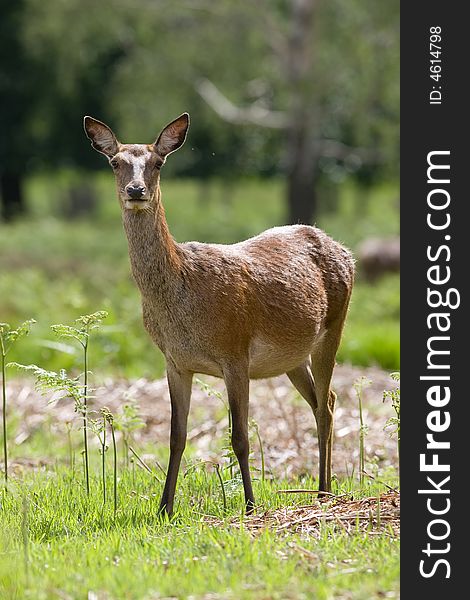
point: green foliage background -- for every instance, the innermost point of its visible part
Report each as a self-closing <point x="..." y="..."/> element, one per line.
<point x="136" y="65"/>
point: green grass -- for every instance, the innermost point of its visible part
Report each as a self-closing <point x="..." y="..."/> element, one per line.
<point x="372" y="328"/>
<point x="54" y="270"/>
<point x="61" y="544"/>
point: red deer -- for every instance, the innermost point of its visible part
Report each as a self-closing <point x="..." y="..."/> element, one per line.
<point x="273" y="304"/>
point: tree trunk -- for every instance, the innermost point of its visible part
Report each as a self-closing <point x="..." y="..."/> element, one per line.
<point x="11" y="194"/>
<point x="301" y="197"/>
<point x="301" y="157"/>
<point x="81" y="201"/>
<point x="301" y="200"/>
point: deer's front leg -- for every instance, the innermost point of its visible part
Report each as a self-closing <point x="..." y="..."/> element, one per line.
<point x="179" y="384"/>
<point x="237" y="382"/>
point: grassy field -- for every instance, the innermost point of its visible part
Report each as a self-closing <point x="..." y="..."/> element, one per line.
<point x="57" y="543"/>
<point x="54" y="270"/>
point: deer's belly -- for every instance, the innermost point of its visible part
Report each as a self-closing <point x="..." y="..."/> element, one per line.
<point x="195" y="363"/>
<point x="265" y="360"/>
<point x="268" y="359"/>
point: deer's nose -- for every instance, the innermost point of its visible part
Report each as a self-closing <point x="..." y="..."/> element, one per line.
<point x="135" y="191"/>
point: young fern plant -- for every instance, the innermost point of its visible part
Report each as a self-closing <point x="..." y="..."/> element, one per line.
<point x="59" y="383"/>
<point x="108" y="418"/>
<point x="128" y="421"/>
<point x="98" y="426"/>
<point x="255" y="427"/>
<point x="359" y="385"/>
<point x="8" y="337"/>
<point x="393" y="423"/>
<point x="47" y="381"/>
<point x="82" y="333"/>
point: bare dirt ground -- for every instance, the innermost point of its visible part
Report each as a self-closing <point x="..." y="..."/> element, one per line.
<point x="286" y="427"/>
<point x="285" y="421"/>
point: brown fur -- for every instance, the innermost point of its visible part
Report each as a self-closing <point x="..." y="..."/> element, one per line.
<point x="272" y="304"/>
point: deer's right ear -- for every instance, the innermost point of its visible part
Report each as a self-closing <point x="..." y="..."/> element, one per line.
<point x="102" y="138"/>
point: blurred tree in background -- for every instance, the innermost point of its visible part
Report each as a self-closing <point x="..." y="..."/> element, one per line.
<point x="17" y="95"/>
<point x="303" y="88"/>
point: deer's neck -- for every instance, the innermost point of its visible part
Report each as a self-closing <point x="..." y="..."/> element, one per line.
<point x="154" y="256"/>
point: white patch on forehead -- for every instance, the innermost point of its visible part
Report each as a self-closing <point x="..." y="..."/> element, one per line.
<point x="136" y="156"/>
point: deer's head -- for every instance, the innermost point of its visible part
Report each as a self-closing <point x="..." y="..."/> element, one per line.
<point x="137" y="166"/>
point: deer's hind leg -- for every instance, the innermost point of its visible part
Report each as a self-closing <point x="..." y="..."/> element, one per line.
<point x="323" y="362"/>
<point x="301" y="378"/>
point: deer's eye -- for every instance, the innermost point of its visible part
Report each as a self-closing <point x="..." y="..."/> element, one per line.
<point x="114" y="164"/>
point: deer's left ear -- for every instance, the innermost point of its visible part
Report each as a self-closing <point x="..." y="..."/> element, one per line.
<point x="102" y="137"/>
<point x="173" y="136"/>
